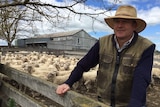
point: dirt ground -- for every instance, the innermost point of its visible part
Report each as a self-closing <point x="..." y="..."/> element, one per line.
<point x="153" y="96"/>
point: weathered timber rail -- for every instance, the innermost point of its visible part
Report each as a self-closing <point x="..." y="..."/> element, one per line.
<point x="29" y="49"/>
<point x="45" y="88"/>
<point x="76" y="53"/>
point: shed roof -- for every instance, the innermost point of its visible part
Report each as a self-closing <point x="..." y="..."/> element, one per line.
<point x="68" y="33"/>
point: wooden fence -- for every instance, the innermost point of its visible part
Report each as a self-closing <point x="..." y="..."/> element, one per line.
<point x="45" y="88"/>
<point x="15" y="50"/>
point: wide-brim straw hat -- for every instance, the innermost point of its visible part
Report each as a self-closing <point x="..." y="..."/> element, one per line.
<point x="127" y="12"/>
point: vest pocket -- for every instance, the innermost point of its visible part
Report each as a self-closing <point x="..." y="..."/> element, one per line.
<point x="105" y="61"/>
<point x="129" y="65"/>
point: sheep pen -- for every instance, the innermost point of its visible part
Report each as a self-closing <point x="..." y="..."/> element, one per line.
<point x="57" y="69"/>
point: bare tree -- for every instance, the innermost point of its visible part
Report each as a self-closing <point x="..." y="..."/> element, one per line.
<point x="9" y="22"/>
<point x="15" y="11"/>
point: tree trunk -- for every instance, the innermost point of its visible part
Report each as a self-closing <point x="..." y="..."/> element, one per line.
<point x="9" y="45"/>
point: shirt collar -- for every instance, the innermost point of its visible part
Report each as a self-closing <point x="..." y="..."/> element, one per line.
<point x="124" y="45"/>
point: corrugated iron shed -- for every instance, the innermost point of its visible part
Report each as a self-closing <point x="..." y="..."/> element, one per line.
<point x="59" y="34"/>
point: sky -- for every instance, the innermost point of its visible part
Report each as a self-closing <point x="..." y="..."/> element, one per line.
<point x="148" y="10"/>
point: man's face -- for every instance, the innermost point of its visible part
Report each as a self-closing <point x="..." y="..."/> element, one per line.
<point x="124" y="28"/>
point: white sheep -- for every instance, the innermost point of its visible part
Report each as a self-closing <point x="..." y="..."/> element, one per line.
<point x="155" y="75"/>
<point x="60" y="79"/>
<point x="89" y="79"/>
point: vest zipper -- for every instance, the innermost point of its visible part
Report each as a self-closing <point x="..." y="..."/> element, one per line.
<point x="114" y="78"/>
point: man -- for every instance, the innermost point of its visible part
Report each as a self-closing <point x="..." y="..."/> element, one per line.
<point x="125" y="62"/>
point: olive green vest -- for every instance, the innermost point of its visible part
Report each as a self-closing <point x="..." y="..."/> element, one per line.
<point x="125" y="69"/>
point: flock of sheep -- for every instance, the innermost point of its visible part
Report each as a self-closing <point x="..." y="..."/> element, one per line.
<point x="51" y="68"/>
<point x="57" y="69"/>
<point x="156" y="70"/>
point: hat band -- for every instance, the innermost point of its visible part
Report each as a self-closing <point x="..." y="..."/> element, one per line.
<point x="124" y="15"/>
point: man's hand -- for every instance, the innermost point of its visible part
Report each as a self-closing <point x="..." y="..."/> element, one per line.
<point x="62" y="89"/>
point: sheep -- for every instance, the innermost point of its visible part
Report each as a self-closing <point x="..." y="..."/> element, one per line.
<point x="60" y="79"/>
<point x="89" y="79"/>
<point x="155" y="75"/>
<point x="49" y="67"/>
<point x="61" y="73"/>
<point x="87" y="82"/>
<point x="56" y="69"/>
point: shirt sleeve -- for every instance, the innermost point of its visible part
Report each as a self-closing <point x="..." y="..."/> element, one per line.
<point x="90" y="60"/>
<point x="142" y="78"/>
